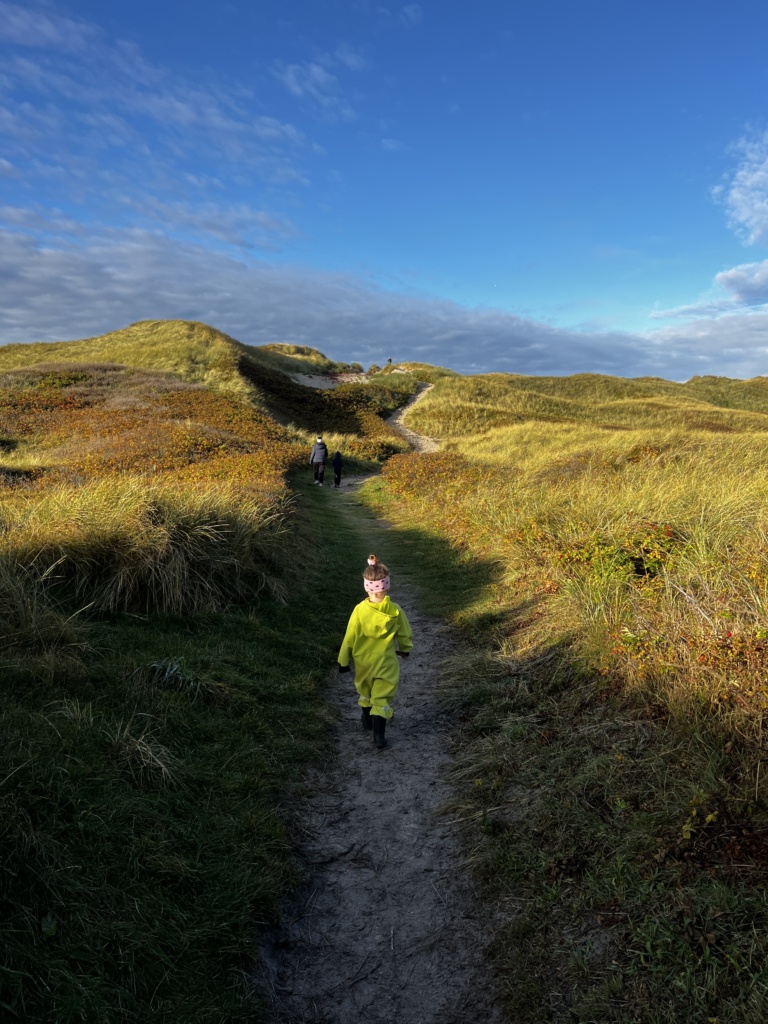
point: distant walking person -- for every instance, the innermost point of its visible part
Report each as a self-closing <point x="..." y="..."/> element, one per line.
<point x="318" y="459"/>
<point x="338" y="464"/>
<point x="374" y="627"/>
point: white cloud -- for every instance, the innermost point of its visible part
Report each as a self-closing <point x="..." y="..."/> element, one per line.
<point x="734" y="345"/>
<point x="350" y="58"/>
<point x="314" y="82"/>
<point x="412" y="14"/>
<point x="392" y="145"/>
<point x="746" y="195"/>
<point x="747" y="283"/>
<point x="36" y="28"/>
<point x="69" y="289"/>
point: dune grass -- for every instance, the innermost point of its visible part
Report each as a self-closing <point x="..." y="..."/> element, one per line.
<point x="602" y="545"/>
<point x="142" y="844"/>
<point x="613" y="706"/>
<point x="196" y="352"/>
<point x="165" y="635"/>
<point x="459" y="406"/>
<point x="297" y="359"/>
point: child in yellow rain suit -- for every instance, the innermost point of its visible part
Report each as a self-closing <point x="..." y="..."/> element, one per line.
<point x="377" y="633"/>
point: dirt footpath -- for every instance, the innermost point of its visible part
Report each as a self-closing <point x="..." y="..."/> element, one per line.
<point x="388" y="928"/>
<point x="420" y="442"/>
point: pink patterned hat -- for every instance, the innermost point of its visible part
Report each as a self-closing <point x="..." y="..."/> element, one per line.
<point x="376" y="586"/>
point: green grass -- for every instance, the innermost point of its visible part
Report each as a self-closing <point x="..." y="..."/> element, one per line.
<point x="600" y="546"/>
<point x="194" y="351"/>
<point x="142" y="841"/>
<point x="611" y="707"/>
<point x="461" y="406"/>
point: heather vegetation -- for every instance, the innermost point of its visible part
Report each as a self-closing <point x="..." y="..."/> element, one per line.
<point x="599" y="545"/>
<point x="162" y="670"/>
<point x="614" y="698"/>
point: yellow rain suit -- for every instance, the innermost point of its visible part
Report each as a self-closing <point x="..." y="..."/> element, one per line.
<point x="370" y="641"/>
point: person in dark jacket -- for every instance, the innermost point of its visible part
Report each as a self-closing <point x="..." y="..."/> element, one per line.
<point x="318" y="459"/>
<point x="338" y="464"/>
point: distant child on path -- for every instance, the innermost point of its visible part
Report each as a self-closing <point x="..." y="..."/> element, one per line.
<point x="338" y="464"/>
<point x="318" y="459"/>
<point x="375" y="627"/>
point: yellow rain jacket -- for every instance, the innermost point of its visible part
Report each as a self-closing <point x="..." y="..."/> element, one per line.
<point x="370" y="641"/>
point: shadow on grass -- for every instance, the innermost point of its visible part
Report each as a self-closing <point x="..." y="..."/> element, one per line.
<point x="142" y="834"/>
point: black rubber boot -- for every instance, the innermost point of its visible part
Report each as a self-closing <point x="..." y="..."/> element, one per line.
<point x="365" y="718"/>
<point x="379" y="728"/>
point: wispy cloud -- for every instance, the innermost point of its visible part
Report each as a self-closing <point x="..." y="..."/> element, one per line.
<point x="412" y="14"/>
<point x="239" y="225"/>
<point x="350" y="58"/>
<point x="75" y="288"/>
<point x="392" y="145"/>
<point x="746" y="193"/>
<point x="89" y="121"/>
<point x="315" y="81"/>
<point x="39" y="28"/>
<point x="746" y="287"/>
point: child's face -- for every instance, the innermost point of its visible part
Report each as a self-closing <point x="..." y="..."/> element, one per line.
<point x="377" y="598"/>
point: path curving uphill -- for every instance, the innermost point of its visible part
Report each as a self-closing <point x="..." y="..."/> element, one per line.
<point x="388" y="928"/>
<point x="420" y="442"/>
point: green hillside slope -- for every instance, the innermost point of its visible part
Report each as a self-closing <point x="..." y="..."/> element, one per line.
<point x="459" y="406"/>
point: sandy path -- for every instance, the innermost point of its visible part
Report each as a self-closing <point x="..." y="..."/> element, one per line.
<point x="420" y="442"/>
<point x="325" y="382"/>
<point x="388" y="929"/>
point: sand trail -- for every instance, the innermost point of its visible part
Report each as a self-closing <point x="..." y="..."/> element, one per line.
<point x="388" y="928"/>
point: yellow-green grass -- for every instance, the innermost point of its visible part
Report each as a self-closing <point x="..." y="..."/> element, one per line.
<point x="194" y="351"/>
<point x="122" y="545"/>
<point x="160" y="595"/>
<point x="614" y="707"/>
<point x="420" y="371"/>
<point x="459" y="406"/>
<point x="142" y="840"/>
<point x="297" y="359"/>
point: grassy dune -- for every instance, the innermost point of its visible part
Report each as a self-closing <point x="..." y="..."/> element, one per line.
<point x="601" y="543"/>
<point x="460" y="406"/>
<point x="614" y="700"/>
<point x="194" y="351"/>
<point x="160" y="589"/>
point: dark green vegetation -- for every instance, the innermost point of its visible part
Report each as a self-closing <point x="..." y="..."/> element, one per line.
<point x="172" y="593"/>
<point x="142" y="841"/>
<point x="165" y="632"/>
<point x="610" y="585"/>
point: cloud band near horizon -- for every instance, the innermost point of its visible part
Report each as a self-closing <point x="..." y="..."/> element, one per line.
<point x="76" y="288"/>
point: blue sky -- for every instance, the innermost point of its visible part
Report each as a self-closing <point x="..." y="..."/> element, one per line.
<point x="539" y="188"/>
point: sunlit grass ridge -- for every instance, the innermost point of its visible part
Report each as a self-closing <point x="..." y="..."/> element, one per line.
<point x="617" y="715"/>
<point x="458" y="406"/>
<point x="160" y="689"/>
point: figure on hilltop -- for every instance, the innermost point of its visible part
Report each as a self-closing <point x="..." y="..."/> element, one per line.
<point x="377" y="634"/>
<point x="318" y="459"/>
